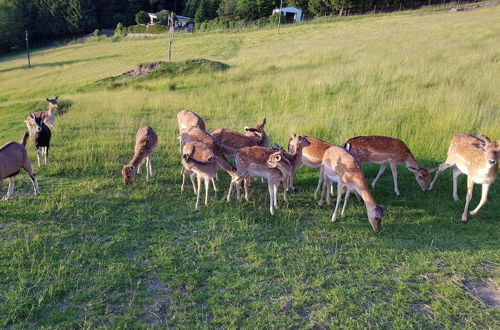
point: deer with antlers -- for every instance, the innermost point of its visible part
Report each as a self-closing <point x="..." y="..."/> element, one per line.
<point x="387" y="151"/>
<point x="478" y="159"/>
<point x="340" y="166"/>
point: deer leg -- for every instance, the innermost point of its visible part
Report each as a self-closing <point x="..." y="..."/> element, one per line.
<point x="339" y="198"/>
<point x="484" y="198"/>
<point x="324" y="188"/>
<point x="207" y="185"/>
<point x="29" y="170"/>
<point x="38" y="152"/>
<point x="183" y="173"/>
<point x="146" y="160"/>
<point x="213" y="184"/>
<point x="275" y="194"/>
<point x="329" y="191"/>
<point x="380" y="172"/>
<point x="470" y="186"/>
<point x="441" y="168"/>
<point x="271" y="197"/>
<point x="320" y="181"/>
<point x="191" y="176"/>
<point x="456" y="174"/>
<point x="228" y="198"/>
<point x="150" y="158"/>
<point x="197" y="205"/>
<point x="10" y="190"/>
<point x="139" y="166"/>
<point x="246" y="184"/>
<point x="394" y="169"/>
<point x="347" y="194"/>
<point x="285" y="196"/>
<point x="46" y="155"/>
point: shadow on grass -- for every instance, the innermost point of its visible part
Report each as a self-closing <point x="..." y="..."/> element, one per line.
<point x="60" y="63"/>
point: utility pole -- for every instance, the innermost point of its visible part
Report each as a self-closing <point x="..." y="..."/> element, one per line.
<point x="28" y="48"/>
<point x="171" y="24"/>
<point x="279" y="17"/>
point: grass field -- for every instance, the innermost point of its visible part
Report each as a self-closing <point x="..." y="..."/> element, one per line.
<point x="89" y="252"/>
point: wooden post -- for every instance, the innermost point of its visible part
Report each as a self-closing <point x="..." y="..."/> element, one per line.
<point x="171" y="25"/>
<point x="279" y="17"/>
<point x="28" y="48"/>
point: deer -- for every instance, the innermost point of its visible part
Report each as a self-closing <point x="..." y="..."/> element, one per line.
<point x="312" y="156"/>
<point x="40" y="134"/>
<point x="340" y="166"/>
<point x="253" y="161"/>
<point x="296" y="145"/>
<point x="388" y="151"/>
<point x="200" y="161"/>
<point x="478" y="159"/>
<point x="145" y="143"/>
<point x="49" y="115"/>
<point x="196" y="134"/>
<point x="186" y="119"/>
<point x="13" y="157"/>
<point x="231" y="141"/>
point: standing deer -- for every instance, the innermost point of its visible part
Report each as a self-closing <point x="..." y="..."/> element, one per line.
<point x="296" y="146"/>
<point x="13" y="157"/>
<point x="187" y="119"/>
<point x="231" y="141"/>
<point x="387" y="151"/>
<point x="49" y="115"/>
<point x="342" y="167"/>
<point x="253" y="161"/>
<point x="199" y="160"/>
<point x="145" y="143"/>
<point x="40" y="134"/>
<point x="478" y="159"/>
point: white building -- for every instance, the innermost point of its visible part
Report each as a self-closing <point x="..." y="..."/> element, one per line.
<point x="292" y="14"/>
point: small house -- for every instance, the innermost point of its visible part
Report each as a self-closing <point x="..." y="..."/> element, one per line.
<point x="291" y="14"/>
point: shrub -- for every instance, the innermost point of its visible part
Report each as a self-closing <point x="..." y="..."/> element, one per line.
<point x="142" y="18"/>
<point x="154" y="29"/>
<point x="120" y="30"/>
<point x="95" y="33"/>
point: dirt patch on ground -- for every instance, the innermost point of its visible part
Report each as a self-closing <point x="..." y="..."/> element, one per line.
<point x="144" y="69"/>
<point x="488" y="292"/>
<point x="422" y="309"/>
<point x="468" y="8"/>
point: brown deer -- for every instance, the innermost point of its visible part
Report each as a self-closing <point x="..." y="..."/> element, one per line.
<point x="145" y="143"/>
<point x="342" y="167"/>
<point x="196" y="134"/>
<point x="296" y="146"/>
<point x="387" y="151"/>
<point x="197" y="158"/>
<point x="312" y="156"/>
<point x="186" y="119"/>
<point x="478" y="159"/>
<point x="13" y="157"/>
<point x="231" y="141"/>
<point x="253" y="161"/>
<point x="49" y="115"/>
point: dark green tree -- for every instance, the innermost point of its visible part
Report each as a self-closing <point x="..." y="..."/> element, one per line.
<point x="142" y="17"/>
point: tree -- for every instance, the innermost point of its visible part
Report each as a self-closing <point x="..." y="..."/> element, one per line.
<point x="163" y="17"/>
<point x="10" y="27"/>
<point x="227" y="10"/>
<point x="142" y="18"/>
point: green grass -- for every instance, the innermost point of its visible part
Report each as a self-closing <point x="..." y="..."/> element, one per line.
<point x="90" y="252"/>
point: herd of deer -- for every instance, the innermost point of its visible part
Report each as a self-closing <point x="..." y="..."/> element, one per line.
<point x="203" y="152"/>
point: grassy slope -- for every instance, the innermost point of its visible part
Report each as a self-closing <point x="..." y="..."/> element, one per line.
<point x="90" y="252"/>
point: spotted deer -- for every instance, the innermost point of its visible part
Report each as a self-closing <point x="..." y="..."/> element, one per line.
<point x="387" y="151"/>
<point x="340" y="166"/>
<point x="296" y="145"/>
<point x="478" y="159"/>
<point x="145" y="143"/>
<point x="312" y="156"/>
<point x="231" y="141"/>
<point x="49" y="115"/>
<point x="196" y="134"/>
<point x="187" y="119"/>
<point x="253" y="161"/>
<point x="13" y="157"/>
<point x="199" y="160"/>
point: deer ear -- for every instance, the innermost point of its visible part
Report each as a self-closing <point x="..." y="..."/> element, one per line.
<point x="263" y="123"/>
<point x="478" y="145"/>
<point x="294" y="135"/>
<point x="412" y="169"/>
<point x="47" y="99"/>
<point x="485" y="138"/>
<point x="56" y="98"/>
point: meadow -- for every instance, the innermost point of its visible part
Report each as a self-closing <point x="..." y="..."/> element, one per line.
<point x="90" y="252"/>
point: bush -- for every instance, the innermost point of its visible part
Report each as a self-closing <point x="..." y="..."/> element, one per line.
<point x="154" y="29"/>
<point x="163" y="17"/>
<point x="142" y="18"/>
<point x="95" y="33"/>
<point x="120" y="30"/>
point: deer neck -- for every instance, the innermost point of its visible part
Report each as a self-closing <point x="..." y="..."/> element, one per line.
<point x="367" y="196"/>
<point x="411" y="162"/>
<point x="297" y="155"/>
<point x="136" y="160"/>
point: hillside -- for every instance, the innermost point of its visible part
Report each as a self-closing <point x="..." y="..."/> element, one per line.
<point x="90" y="252"/>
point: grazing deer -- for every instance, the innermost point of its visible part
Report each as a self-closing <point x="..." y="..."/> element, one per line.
<point x="253" y="161"/>
<point x="296" y="146"/>
<point x="312" y="156"/>
<point x="13" y="157"/>
<point x="340" y="166"/>
<point x="145" y="143"/>
<point x="187" y="119"/>
<point x="49" y="115"/>
<point x="386" y="150"/>
<point x="196" y="134"/>
<point x="231" y="141"/>
<point x="478" y="158"/>
<point x="199" y="160"/>
<point x="40" y="134"/>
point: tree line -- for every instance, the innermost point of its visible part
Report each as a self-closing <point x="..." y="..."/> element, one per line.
<point x="51" y="19"/>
